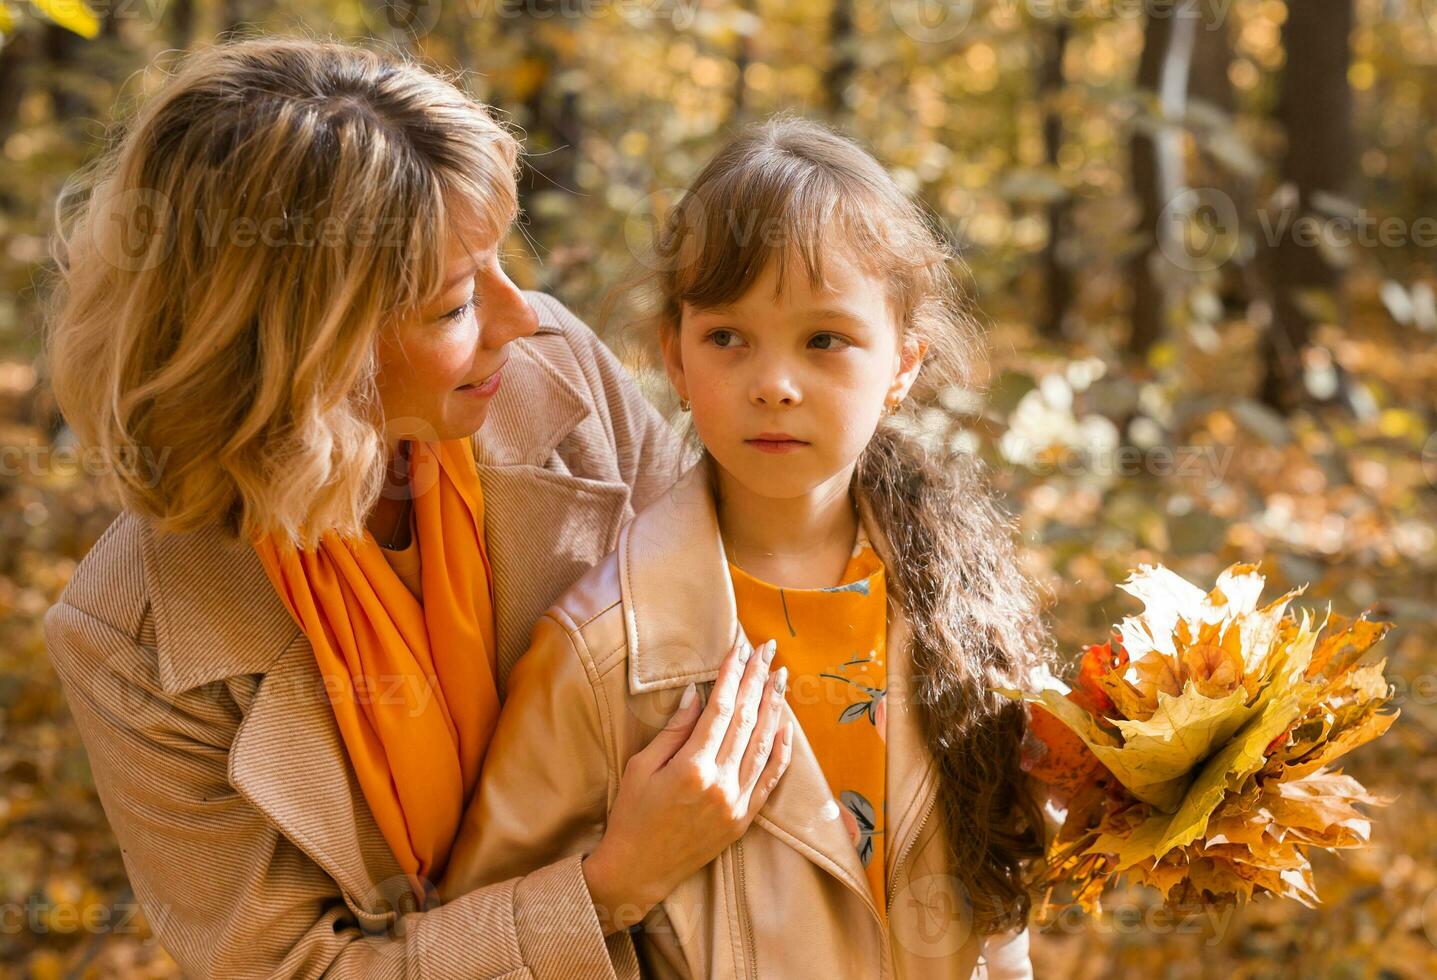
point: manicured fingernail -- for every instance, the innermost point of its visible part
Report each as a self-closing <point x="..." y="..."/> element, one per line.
<point x="769" y="649"/>
<point x="780" y="679"/>
<point x="687" y="698"/>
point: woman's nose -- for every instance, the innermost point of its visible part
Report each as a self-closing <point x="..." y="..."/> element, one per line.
<point x="509" y="314"/>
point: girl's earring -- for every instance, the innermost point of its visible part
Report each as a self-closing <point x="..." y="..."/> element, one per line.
<point x="890" y="408"/>
<point x="683" y="404"/>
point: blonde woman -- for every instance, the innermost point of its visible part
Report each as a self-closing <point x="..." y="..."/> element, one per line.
<point x="356" y="464"/>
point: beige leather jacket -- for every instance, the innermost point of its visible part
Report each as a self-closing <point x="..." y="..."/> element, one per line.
<point x="602" y="675"/>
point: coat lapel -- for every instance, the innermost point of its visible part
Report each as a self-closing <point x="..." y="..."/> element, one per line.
<point x="543" y="527"/>
<point x="289" y="760"/>
<point x="681" y="620"/>
<point x="544" y="530"/>
<point x="217" y="616"/>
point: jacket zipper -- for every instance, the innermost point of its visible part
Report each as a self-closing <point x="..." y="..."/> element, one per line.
<point x="903" y="856"/>
<point x="745" y="923"/>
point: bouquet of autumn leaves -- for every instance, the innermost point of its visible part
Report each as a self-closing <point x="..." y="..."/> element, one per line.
<point x="1194" y="753"/>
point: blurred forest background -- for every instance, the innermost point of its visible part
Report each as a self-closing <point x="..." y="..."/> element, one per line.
<point x="1201" y="235"/>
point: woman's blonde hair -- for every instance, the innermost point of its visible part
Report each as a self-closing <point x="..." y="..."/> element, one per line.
<point x="781" y="192"/>
<point x="225" y="269"/>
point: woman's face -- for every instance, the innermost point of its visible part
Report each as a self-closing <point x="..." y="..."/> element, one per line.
<point x="440" y="367"/>
<point x="787" y="389"/>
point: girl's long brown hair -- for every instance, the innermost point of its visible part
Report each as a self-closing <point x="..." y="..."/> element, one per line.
<point x="776" y="193"/>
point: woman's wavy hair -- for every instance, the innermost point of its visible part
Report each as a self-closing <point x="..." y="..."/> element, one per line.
<point x="225" y="268"/>
<point x="776" y="193"/>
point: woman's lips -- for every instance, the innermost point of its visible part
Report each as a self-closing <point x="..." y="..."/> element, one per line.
<point x="776" y="442"/>
<point x="485" y="388"/>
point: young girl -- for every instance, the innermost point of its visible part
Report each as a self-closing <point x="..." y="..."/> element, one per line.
<point x="806" y="308"/>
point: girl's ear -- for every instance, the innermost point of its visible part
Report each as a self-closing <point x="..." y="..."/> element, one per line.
<point x="910" y="362"/>
<point x="673" y="358"/>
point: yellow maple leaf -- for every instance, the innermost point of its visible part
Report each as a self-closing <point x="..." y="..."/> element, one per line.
<point x="1157" y="757"/>
<point x="1238" y="759"/>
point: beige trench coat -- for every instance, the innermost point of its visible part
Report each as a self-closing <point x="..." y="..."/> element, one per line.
<point x="215" y="751"/>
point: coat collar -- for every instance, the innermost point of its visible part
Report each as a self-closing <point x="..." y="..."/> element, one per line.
<point x="534" y="410"/>
<point x="681" y="620"/>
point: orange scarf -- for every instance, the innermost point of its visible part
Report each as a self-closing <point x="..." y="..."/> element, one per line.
<point x="413" y="685"/>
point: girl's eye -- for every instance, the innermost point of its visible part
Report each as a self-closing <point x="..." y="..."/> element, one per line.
<point x="723" y="339"/>
<point x="828" y="341"/>
<point x="457" y="314"/>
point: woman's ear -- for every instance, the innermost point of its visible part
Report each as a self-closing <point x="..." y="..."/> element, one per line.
<point x="673" y="358"/>
<point x="910" y="362"/>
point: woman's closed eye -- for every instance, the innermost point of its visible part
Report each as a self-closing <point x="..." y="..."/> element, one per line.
<point x="457" y="314"/>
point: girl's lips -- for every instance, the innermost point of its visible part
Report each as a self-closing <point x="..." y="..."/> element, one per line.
<point x="776" y="445"/>
<point x="485" y="388"/>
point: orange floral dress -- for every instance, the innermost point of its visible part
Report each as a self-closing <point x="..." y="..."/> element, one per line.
<point x="833" y="643"/>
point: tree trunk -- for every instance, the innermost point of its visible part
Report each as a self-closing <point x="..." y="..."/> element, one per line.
<point x="549" y="115"/>
<point x="1238" y="282"/>
<point x="182" y="23"/>
<point x="15" y="58"/>
<point x="1315" y="111"/>
<point x="1057" y="272"/>
<point x="1157" y="164"/>
<point x="234" y="14"/>
<point x="742" y="58"/>
<point x="843" y="57"/>
<point x="1212" y="59"/>
<point x="61" y="52"/>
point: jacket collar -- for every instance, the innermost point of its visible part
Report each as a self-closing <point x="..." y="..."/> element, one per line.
<point x="680" y="616"/>
<point x="681" y="620"/>
<point x="196" y="579"/>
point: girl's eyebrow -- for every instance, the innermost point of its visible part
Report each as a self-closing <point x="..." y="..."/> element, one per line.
<point x="723" y="309"/>
<point x="831" y="313"/>
<point x="819" y="313"/>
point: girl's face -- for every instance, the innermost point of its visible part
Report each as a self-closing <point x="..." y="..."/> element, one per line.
<point x="440" y="366"/>
<point x="786" y="390"/>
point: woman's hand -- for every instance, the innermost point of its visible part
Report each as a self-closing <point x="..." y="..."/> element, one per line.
<point x="694" y="789"/>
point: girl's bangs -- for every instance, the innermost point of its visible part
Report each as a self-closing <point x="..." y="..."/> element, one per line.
<point x="726" y="242"/>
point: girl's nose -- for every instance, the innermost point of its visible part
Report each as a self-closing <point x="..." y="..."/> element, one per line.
<point x="508" y="315"/>
<point x="775" y="389"/>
